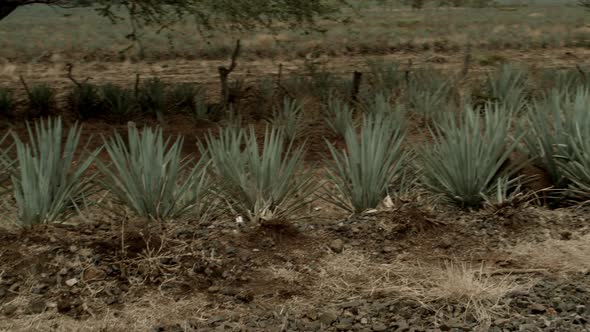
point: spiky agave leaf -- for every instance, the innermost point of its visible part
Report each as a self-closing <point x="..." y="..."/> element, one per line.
<point x="364" y="172"/>
<point x="468" y="155"/>
<point x="259" y="183"/>
<point x="288" y="118"/>
<point x="47" y="183"/>
<point x="508" y="87"/>
<point x="150" y="176"/>
<point x="552" y="123"/>
<point x="338" y="115"/>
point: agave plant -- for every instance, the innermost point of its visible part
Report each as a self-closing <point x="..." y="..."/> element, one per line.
<point x="364" y="172"/>
<point x="429" y="92"/>
<point x="575" y="166"/>
<point x="288" y="118"/>
<point x="118" y="102"/>
<point x="41" y="99"/>
<point x="469" y="155"/>
<point x="84" y="101"/>
<point x="339" y="116"/>
<point x="48" y="183"/>
<point x="152" y="97"/>
<point x="6" y="102"/>
<point x="149" y="175"/>
<point x="508" y="87"/>
<point x="552" y="124"/>
<point x="259" y="183"/>
<point x="385" y="78"/>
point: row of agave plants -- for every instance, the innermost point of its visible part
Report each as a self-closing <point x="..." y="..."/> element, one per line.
<point x="466" y="163"/>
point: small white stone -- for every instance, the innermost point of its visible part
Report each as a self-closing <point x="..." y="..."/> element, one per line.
<point x="71" y="282"/>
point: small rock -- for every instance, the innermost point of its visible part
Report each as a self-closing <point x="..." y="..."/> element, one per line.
<point x="566" y="235"/>
<point x="8" y="309"/>
<point x="40" y="289"/>
<point x="337" y="246"/>
<point x="344" y="326"/>
<point x="94" y="274"/>
<point x="445" y="243"/>
<point x="37" y="307"/>
<point x="364" y="321"/>
<point x="213" y="289"/>
<point x="327" y="318"/>
<point x="71" y="282"/>
<point x="379" y="327"/>
<point x="580" y="309"/>
<point x="387" y="250"/>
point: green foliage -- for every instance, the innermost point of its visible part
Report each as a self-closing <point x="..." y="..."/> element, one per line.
<point x="6" y="102"/>
<point x="554" y="125"/>
<point x="575" y="165"/>
<point x="41" y="100"/>
<point x="152" y="97"/>
<point x="118" y="103"/>
<point x="259" y="183"/>
<point x="429" y="93"/>
<point x="288" y="118"/>
<point x="567" y="81"/>
<point x="48" y="184"/>
<point x="385" y="78"/>
<point x="84" y="100"/>
<point x="508" y="87"/>
<point x="364" y="173"/>
<point x="339" y="116"/>
<point x="6" y="165"/>
<point x="149" y="175"/>
<point x="469" y="155"/>
<point x="184" y="96"/>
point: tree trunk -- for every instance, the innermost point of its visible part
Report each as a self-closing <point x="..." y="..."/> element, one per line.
<point x="6" y="9"/>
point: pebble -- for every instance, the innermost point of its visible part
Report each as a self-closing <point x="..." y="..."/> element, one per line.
<point x="337" y="246"/>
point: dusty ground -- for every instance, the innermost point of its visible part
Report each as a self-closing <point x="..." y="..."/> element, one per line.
<point x="407" y="268"/>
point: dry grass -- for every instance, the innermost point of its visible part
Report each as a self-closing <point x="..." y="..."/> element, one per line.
<point x="560" y="256"/>
<point x="477" y="289"/>
<point x="144" y="314"/>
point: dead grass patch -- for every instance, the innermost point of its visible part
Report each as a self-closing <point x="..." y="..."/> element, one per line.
<point x="477" y="289"/>
<point x="561" y="256"/>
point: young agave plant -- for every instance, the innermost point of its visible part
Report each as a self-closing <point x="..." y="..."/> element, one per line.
<point x="364" y="173"/>
<point x="469" y="155"/>
<point x="288" y="118"/>
<point x="149" y="175"/>
<point x="338" y="116"/>
<point x="553" y="124"/>
<point x="508" y="87"/>
<point x="46" y="183"/>
<point x="259" y="183"/>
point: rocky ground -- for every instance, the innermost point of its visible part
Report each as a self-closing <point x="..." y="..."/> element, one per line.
<point x="408" y="268"/>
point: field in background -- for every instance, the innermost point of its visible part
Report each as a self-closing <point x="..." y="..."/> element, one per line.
<point x="372" y="27"/>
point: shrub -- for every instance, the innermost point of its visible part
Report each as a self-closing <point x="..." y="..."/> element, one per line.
<point x="6" y="102"/>
<point x="508" y="87"/>
<point x="469" y="155"/>
<point x="84" y="100"/>
<point x="259" y="184"/>
<point x="364" y="172"/>
<point x="117" y="102"/>
<point x="149" y="175"/>
<point x="47" y="183"/>
<point x="288" y="118"/>
<point x="152" y="98"/>
<point x="41" y="100"/>
<point x="339" y="116"/>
